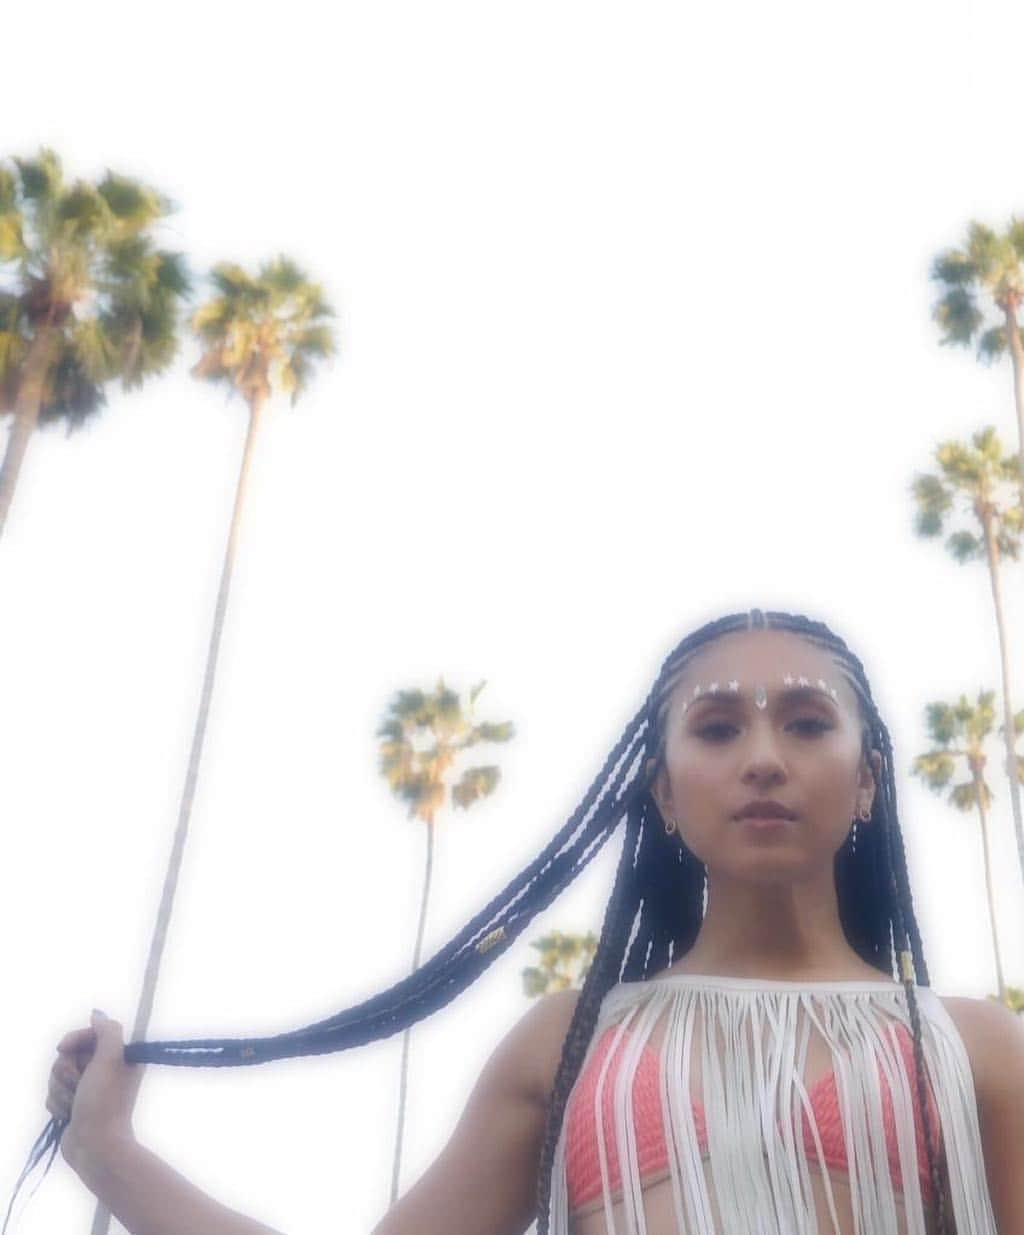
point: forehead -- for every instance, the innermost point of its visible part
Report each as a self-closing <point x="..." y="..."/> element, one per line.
<point x="763" y="657"/>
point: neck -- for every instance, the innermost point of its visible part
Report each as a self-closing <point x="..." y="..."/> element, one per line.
<point x="772" y="930"/>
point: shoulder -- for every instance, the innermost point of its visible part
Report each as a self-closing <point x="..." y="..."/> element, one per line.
<point x="543" y="1029"/>
<point x="994" y="1038"/>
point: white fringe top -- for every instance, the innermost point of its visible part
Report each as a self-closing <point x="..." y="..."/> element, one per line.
<point x="731" y="1161"/>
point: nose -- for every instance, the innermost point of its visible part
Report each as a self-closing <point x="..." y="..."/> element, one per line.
<point x="762" y="763"/>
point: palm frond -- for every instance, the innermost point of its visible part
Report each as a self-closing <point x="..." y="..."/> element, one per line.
<point x="934" y="501"/>
<point x="964" y="546"/>
<point x="42" y="178"/>
<point x="282" y="275"/>
<point x="232" y="281"/>
<point x="1015" y="236"/>
<point x="954" y="268"/>
<point x="983" y="247"/>
<point x="80" y="212"/>
<point x="315" y="341"/>
<point x="172" y="273"/>
<point x="12" y="240"/>
<point x="992" y="344"/>
<point x="132" y="204"/>
<point x="958" y="315"/>
<point x="8" y="191"/>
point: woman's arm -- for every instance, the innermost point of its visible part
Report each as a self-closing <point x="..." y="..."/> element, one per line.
<point x="484" y="1182"/>
<point x="149" y="1197"/>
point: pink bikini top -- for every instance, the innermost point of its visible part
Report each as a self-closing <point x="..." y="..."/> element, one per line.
<point x="582" y="1162"/>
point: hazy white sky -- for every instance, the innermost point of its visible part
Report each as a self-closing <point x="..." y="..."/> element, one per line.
<point x="634" y="318"/>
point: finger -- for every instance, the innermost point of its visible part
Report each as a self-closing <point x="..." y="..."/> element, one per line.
<point x="61" y="1086"/>
<point x="76" y="1039"/>
<point x="65" y="1068"/>
<point x="59" y="1103"/>
<point x="58" y="1109"/>
<point x="66" y="1072"/>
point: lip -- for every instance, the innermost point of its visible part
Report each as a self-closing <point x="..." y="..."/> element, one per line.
<point x="765" y="823"/>
<point x="772" y="810"/>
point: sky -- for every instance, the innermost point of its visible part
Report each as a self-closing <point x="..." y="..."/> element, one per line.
<point x="634" y="326"/>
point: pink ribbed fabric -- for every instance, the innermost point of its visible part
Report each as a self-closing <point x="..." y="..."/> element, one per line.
<point x="582" y="1164"/>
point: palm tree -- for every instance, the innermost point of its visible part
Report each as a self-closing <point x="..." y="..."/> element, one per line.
<point x="564" y="960"/>
<point x="91" y="299"/>
<point x="258" y="334"/>
<point x="957" y="730"/>
<point x="978" y="472"/>
<point x="1014" y="999"/>
<point x="989" y="266"/>
<point x="423" y="734"/>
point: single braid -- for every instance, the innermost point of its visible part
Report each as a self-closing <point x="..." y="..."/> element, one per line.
<point x="904" y="903"/>
<point x="600" y="977"/>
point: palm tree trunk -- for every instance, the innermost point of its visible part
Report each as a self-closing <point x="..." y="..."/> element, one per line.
<point x="405" y="1036"/>
<point x="1010" y="735"/>
<point x="1017" y="357"/>
<point x="101" y="1216"/>
<point x="979" y="791"/>
<point x="26" y="413"/>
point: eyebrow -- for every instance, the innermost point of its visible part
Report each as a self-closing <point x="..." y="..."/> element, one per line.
<point x="737" y="696"/>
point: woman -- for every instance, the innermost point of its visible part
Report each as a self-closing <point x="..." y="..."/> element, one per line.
<point x="745" y="963"/>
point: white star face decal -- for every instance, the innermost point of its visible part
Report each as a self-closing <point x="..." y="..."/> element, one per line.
<point x="760" y="692"/>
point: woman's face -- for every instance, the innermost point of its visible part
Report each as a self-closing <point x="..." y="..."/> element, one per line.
<point x="802" y="751"/>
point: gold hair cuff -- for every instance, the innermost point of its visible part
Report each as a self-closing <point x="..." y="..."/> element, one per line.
<point x="489" y="940"/>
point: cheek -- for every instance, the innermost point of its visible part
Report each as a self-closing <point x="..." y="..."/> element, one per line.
<point x="831" y="771"/>
<point x="701" y="782"/>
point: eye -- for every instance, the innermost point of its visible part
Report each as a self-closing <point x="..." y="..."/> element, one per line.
<point x="819" y="726"/>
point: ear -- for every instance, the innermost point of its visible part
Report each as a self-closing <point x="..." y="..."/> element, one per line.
<point x="660" y="788"/>
<point x="871" y="774"/>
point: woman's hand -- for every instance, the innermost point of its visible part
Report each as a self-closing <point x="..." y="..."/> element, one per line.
<point x="93" y="1087"/>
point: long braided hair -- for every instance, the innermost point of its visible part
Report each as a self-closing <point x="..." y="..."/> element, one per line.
<point x="653" y="914"/>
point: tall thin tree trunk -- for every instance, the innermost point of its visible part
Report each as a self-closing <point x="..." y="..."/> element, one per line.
<point x="988" y="887"/>
<point x="1010" y="736"/>
<point x="1017" y="357"/>
<point x="26" y="413"/>
<point x="101" y="1216"/>
<point x="405" y="1036"/>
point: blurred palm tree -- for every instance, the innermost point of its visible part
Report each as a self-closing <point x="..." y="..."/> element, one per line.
<point x="91" y="299"/>
<point x="423" y="735"/>
<point x="980" y="473"/>
<point x="1014" y="999"/>
<point x="959" y="731"/>
<point x="259" y="334"/>
<point x="565" y="958"/>
<point x="989" y="267"/>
